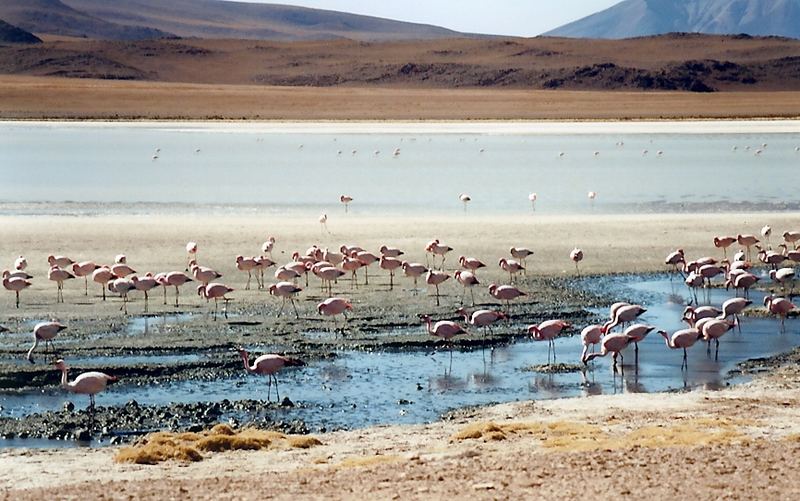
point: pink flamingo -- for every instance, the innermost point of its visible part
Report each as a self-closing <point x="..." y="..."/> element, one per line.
<point x="15" y="284"/>
<point x="470" y="263"/>
<point x="505" y="293"/>
<point x="262" y="263"/>
<point x="88" y="383"/>
<point x="286" y="291"/>
<point x="682" y="339"/>
<point x="693" y="315"/>
<point x="215" y="291"/>
<point x="122" y="270"/>
<point x="713" y="330"/>
<point x="328" y="274"/>
<point x="521" y="254"/>
<point x="623" y="315"/>
<point x="268" y="365"/>
<point x="145" y="284"/>
<point x="576" y="255"/>
<point x="723" y="243"/>
<point x="391" y="264"/>
<point x="438" y="249"/>
<point x="590" y="336"/>
<point x="482" y="319"/>
<point x="465" y="199"/>
<point x="444" y="329"/>
<point x="247" y="264"/>
<point x="122" y="286"/>
<point x="335" y="258"/>
<point x="532" y="199"/>
<point x="743" y="281"/>
<point x="779" y="306"/>
<point x="352" y="265"/>
<point x="783" y="276"/>
<point x="766" y="232"/>
<point x="675" y="259"/>
<point x="176" y="279"/>
<point x="610" y="343"/>
<point x="390" y="251"/>
<point x="84" y="269"/>
<point x="120" y="259"/>
<point x="334" y="306"/>
<point x="733" y="307"/>
<point x="346" y="199"/>
<point x="791" y="255"/>
<point x="637" y="333"/>
<point x="366" y="259"/>
<point x="268" y="245"/>
<point x="791" y="237"/>
<point x="20" y="263"/>
<point x="60" y="261"/>
<point x="191" y="254"/>
<point x="58" y="275"/>
<point x="45" y="332"/>
<point x="203" y="274"/>
<point x="511" y="267"/>
<point x="548" y="331"/>
<point x="414" y="270"/>
<point x="435" y="277"/>
<point x="468" y="281"/>
<point x="747" y="241"/>
<point x="102" y="276"/>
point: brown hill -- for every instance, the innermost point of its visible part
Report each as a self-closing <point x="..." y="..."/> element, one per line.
<point x="671" y="62"/>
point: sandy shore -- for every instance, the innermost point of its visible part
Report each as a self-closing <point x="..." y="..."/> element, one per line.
<point x="739" y="443"/>
<point x="62" y="98"/>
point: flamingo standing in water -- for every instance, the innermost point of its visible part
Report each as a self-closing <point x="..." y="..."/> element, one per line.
<point x="482" y="319"/>
<point x="623" y="314"/>
<point x="610" y="343"/>
<point x="88" y="383"/>
<point x="444" y="329"/>
<point x="521" y="254"/>
<point x="334" y="306"/>
<point x="176" y="279"/>
<point x="102" y="276"/>
<point x="286" y="290"/>
<point x="15" y="284"/>
<point x="58" y="275"/>
<point x="779" y="306"/>
<point x="590" y="336"/>
<point x="346" y="199"/>
<point x="414" y="270"/>
<point x="637" y="333"/>
<point x="713" y="330"/>
<point x="215" y="291"/>
<point x="576" y="255"/>
<point x="505" y="293"/>
<point x="145" y="284"/>
<point x="733" y="307"/>
<point x="268" y="365"/>
<point x="682" y="339"/>
<point x="675" y="259"/>
<point x="435" y="277"/>
<point x="45" y="332"/>
<point x="122" y="286"/>
<point x="390" y="264"/>
<point x="548" y="331"/>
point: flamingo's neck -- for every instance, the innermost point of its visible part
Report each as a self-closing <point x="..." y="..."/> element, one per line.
<point x="428" y="326"/>
<point x="64" y="381"/>
<point x="246" y="362"/>
<point x="666" y="339"/>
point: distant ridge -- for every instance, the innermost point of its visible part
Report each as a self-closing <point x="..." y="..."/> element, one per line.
<point x="147" y="19"/>
<point x="636" y="18"/>
<point x="12" y="34"/>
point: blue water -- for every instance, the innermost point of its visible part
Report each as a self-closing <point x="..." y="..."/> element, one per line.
<point x="359" y="389"/>
<point x="87" y="169"/>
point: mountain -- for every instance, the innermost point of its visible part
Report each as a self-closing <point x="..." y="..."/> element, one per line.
<point x="636" y="18"/>
<point x="56" y="18"/>
<point x="142" y="19"/>
<point x="12" y="34"/>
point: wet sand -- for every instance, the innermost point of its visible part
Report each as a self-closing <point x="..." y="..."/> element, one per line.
<point x="756" y="419"/>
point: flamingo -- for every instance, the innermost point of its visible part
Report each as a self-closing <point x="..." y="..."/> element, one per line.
<point x="693" y="315"/>
<point x="268" y="245"/>
<point x="84" y="269"/>
<point x="60" y="261"/>
<point x="58" y="275"/>
<point x="366" y="259"/>
<point x="122" y="286"/>
<point x="521" y="254"/>
<point x="590" y="336"/>
<point x="783" y="276"/>
<point x="723" y="243"/>
<point x="346" y="199"/>
<point x="390" y="251"/>
<point x="122" y="270"/>
<point x="390" y="264"/>
<point x="771" y="258"/>
<point x="262" y="263"/>
<point x="444" y="329"/>
<point x="791" y="255"/>
<point x="693" y="281"/>
<point x="610" y="343"/>
<point x="352" y="265"/>
<point x="102" y="276"/>
<point x="713" y="330"/>
<point x="505" y="293"/>
<point x="323" y="223"/>
<point x="268" y="365"/>
<point x="675" y="259"/>
<point x="120" y="259"/>
<point x="247" y="264"/>
<point x="45" y="332"/>
<point x="733" y="307"/>
<point x="414" y="270"/>
<point x="435" y="277"/>
<point x="743" y="281"/>
<point x="591" y="196"/>
<point x="176" y="279"/>
<point x="15" y="284"/>
<point x="88" y="383"/>
<point x="766" y="232"/>
<point x="465" y="199"/>
<point x="747" y="241"/>
<point x="470" y="263"/>
<point x="203" y="274"/>
<point x="682" y="339"/>
<point x="215" y="291"/>
<point x="286" y="290"/>
<point x="145" y="284"/>
<point x="191" y="254"/>
<point x="576" y="255"/>
<point x="510" y="266"/>
<point x="438" y="249"/>
<point x="637" y="333"/>
<point x="532" y="199"/>
<point x="779" y="306"/>
<point x="468" y="281"/>
<point x="334" y="306"/>
<point x="20" y="263"/>
<point x="327" y="274"/>
<point x="622" y="315"/>
<point x="548" y="331"/>
<point x="482" y="319"/>
<point x="791" y="237"/>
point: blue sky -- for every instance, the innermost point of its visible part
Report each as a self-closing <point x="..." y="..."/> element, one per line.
<point x="502" y="17"/>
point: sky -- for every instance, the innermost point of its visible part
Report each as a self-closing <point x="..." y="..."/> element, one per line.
<point x="499" y="17"/>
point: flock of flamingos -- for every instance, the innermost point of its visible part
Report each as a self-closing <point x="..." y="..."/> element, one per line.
<point x="707" y="323"/>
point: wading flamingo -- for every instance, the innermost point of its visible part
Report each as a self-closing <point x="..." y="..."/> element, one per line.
<point x="548" y="331"/>
<point x="505" y="293"/>
<point x="444" y="329"/>
<point x="58" y="276"/>
<point x="45" y="332"/>
<point x="88" y="383"/>
<point x="84" y="269"/>
<point x="590" y="336"/>
<point x="145" y="284"/>
<point x="682" y="339"/>
<point x="215" y="291"/>
<point x="268" y="365"/>
<point x="610" y="343"/>
<point x="435" y="277"/>
<point x="482" y="319"/>
<point x="779" y="306"/>
<point x="334" y="306"/>
<point x="102" y="276"/>
<point x="576" y="255"/>
<point x="286" y="291"/>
